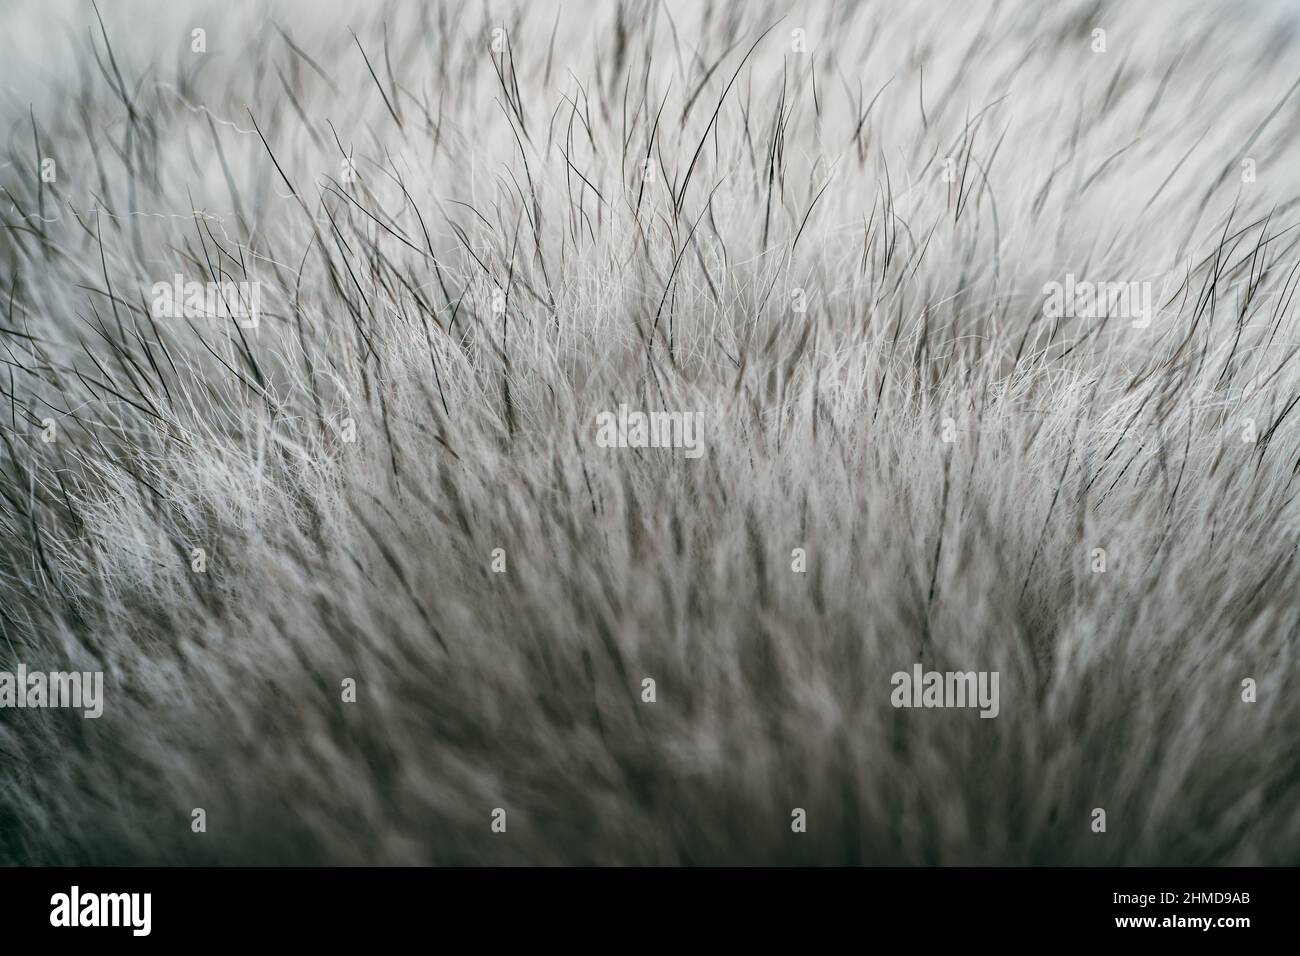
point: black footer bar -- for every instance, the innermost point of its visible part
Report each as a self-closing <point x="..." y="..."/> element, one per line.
<point x="614" y="907"/>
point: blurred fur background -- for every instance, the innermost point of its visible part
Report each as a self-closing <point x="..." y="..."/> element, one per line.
<point x="519" y="172"/>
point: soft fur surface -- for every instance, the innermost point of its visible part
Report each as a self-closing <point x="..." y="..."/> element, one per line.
<point x="519" y="172"/>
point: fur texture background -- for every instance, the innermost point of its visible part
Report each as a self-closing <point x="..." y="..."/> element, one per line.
<point x="520" y="173"/>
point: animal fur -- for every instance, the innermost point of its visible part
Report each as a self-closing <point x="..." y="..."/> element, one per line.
<point x="439" y="333"/>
